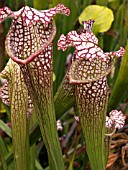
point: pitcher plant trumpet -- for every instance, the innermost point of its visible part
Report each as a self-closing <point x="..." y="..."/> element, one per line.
<point x="29" y="44"/>
<point x="88" y="73"/>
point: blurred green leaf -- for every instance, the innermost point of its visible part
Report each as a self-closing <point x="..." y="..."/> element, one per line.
<point x="9" y="158"/>
<point x="124" y="23"/>
<point x="87" y="2"/>
<point x="40" y="4"/>
<point x="121" y="85"/>
<point x="16" y="4"/>
<point x="38" y="166"/>
<point x="102" y="2"/>
<point x="114" y="4"/>
<point x="2" y="109"/>
<point x="113" y="0"/>
<point x="8" y="112"/>
<point x="29" y="3"/>
<point x="3" y="153"/>
<point x="102" y="15"/>
<point x="5" y="128"/>
<point x="54" y="77"/>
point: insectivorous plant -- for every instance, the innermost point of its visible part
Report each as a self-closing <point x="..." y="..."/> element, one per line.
<point x="116" y="120"/>
<point x="29" y="43"/>
<point x="14" y="93"/>
<point x="88" y="73"/>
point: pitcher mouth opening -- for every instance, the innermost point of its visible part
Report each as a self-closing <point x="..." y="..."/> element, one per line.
<point x="85" y="71"/>
<point x="12" y="52"/>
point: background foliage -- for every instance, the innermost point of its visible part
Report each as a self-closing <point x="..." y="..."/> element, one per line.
<point x="112" y="35"/>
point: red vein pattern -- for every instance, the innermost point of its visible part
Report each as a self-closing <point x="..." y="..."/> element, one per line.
<point x="28" y="15"/>
<point x="86" y="44"/>
<point x="5" y="13"/>
<point x="14" y="90"/>
<point x="29" y="43"/>
<point x="29" y="40"/>
<point x="88" y="72"/>
<point x="31" y="31"/>
<point x="118" y="118"/>
<point x="84" y="71"/>
<point x="4" y="94"/>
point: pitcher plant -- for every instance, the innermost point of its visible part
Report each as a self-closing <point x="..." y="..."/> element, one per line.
<point x="29" y="44"/>
<point x="88" y="73"/>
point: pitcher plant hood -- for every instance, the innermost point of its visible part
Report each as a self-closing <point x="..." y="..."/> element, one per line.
<point x="31" y="31"/>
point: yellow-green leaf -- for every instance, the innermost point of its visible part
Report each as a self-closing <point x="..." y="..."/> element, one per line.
<point x="102" y="15"/>
<point x="54" y="77"/>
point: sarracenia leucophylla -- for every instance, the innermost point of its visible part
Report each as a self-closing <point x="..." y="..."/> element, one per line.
<point x="29" y="44"/>
<point x="88" y="73"/>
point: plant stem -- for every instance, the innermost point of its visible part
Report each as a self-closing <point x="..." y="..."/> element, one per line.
<point x="92" y="113"/>
<point x="42" y="97"/>
<point x="18" y="99"/>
